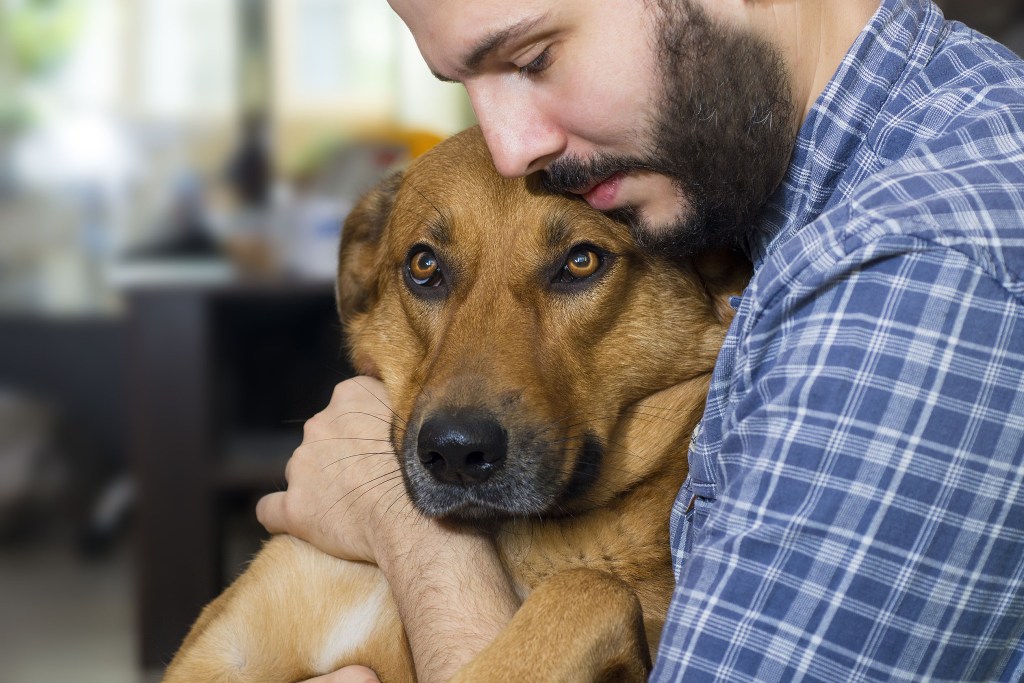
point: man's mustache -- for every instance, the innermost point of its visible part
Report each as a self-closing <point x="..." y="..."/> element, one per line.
<point x="572" y="173"/>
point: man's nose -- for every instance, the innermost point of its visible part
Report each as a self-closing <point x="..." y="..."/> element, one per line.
<point x="520" y="136"/>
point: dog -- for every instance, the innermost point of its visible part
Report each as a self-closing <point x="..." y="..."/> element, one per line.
<point x="574" y="363"/>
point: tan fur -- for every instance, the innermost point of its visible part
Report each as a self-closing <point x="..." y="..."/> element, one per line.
<point x="624" y="362"/>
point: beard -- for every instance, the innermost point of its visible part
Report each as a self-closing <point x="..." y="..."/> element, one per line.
<point x="723" y="131"/>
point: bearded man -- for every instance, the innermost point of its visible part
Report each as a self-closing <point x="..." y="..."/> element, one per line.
<point x="854" y="508"/>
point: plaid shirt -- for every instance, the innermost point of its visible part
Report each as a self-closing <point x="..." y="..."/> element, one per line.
<point x="854" y="509"/>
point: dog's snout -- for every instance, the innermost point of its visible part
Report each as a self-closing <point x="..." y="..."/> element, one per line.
<point x="462" y="448"/>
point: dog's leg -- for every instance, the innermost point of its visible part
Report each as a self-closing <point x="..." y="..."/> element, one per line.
<point x="580" y="625"/>
<point x="293" y="614"/>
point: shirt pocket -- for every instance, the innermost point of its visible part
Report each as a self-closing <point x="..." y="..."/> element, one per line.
<point x="694" y="519"/>
<point x="702" y="487"/>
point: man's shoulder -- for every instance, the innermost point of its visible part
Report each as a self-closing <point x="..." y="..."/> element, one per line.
<point x="964" y="74"/>
<point x="942" y="161"/>
<point x="964" y="77"/>
<point x="968" y="216"/>
<point x="943" y="169"/>
<point x="940" y="169"/>
<point x="961" y="100"/>
<point x="962" y="191"/>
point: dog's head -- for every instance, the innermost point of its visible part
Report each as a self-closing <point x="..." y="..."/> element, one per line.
<point x="514" y="329"/>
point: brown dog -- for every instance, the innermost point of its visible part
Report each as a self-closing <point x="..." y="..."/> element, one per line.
<point x="546" y="373"/>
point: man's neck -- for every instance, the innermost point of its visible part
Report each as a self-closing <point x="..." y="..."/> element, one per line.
<point x="814" y="37"/>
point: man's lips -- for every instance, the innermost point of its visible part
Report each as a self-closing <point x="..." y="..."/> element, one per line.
<point x="601" y="195"/>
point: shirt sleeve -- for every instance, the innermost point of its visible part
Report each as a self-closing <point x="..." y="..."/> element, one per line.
<point x="869" y="523"/>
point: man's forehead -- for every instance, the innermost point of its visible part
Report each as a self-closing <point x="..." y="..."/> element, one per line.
<point x="454" y="34"/>
<point x="446" y="12"/>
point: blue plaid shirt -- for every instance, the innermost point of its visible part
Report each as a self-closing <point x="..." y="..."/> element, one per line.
<point x="855" y="504"/>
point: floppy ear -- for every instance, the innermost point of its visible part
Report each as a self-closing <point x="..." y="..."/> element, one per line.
<point x="724" y="273"/>
<point x="357" y="284"/>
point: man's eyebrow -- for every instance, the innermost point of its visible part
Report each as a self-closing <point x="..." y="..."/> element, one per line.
<point x="488" y="44"/>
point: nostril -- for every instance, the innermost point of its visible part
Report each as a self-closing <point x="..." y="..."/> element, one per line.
<point x="431" y="457"/>
<point x="434" y="463"/>
<point x="486" y="457"/>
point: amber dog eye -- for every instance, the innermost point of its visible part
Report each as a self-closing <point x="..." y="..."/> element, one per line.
<point x="582" y="263"/>
<point x="423" y="268"/>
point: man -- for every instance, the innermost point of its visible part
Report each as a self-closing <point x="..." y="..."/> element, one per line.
<point x="854" y="509"/>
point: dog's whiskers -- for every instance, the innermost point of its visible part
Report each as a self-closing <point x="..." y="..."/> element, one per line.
<point x="381" y="401"/>
<point x="417" y="190"/>
<point x="364" y="455"/>
<point x="592" y="419"/>
<point x="409" y="211"/>
<point x="604" y="442"/>
<point x="382" y="418"/>
<point x="367" y="486"/>
<point x="341" y="438"/>
<point x="397" y="498"/>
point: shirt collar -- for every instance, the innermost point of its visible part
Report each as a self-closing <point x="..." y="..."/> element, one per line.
<point x="901" y="34"/>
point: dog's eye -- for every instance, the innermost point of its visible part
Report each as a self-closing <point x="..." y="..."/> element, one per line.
<point x="423" y="268"/>
<point x="582" y="263"/>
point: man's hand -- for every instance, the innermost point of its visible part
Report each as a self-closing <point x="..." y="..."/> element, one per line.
<point x="344" y="484"/>
<point x="346" y="497"/>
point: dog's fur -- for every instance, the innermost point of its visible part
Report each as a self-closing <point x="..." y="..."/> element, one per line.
<point x="595" y="385"/>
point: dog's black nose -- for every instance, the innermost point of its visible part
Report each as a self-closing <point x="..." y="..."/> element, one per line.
<point x="462" y="447"/>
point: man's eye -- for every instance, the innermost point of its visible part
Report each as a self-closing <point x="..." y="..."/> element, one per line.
<point x="582" y="263"/>
<point x="423" y="268"/>
<point x="539" y="63"/>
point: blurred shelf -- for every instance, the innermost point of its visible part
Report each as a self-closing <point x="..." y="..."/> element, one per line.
<point x="213" y="276"/>
<point x="169" y="273"/>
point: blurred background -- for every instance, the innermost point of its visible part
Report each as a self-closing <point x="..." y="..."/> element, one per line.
<point x="173" y="176"/>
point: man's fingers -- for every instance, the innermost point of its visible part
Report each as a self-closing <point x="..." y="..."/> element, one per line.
<point x="287" y="469"/>
<point x="270" y="512"/>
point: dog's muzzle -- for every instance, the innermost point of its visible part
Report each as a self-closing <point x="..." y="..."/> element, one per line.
<point x="469" y="463"/>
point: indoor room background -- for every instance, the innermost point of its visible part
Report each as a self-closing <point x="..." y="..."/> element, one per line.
<point x="173" y="179"/>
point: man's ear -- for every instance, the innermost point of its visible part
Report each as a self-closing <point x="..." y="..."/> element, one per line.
<point x="724" y="274"/>
<point x="358" y="270"/>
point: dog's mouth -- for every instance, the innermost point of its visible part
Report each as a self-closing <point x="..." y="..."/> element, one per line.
<point x="466" y="466"/>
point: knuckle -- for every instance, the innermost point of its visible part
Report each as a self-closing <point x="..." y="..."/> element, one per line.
<point x="269" y="511"/>
<point x="343" y="391"/>
<point x="315" y="426"/>
<point x="291" y="508"/>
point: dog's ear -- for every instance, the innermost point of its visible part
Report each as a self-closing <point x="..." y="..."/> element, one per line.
<point x="724" y="274"/>
<point x="358" y="271"/>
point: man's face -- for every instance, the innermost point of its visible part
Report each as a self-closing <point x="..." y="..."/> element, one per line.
<point x="645" y="108"/>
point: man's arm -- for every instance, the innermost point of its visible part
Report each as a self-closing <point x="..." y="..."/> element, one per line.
<point x="345" y="496"/>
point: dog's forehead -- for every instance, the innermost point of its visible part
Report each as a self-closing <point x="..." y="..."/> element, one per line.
<point x="466" y="215"/>
<point x="455" y="199"/>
